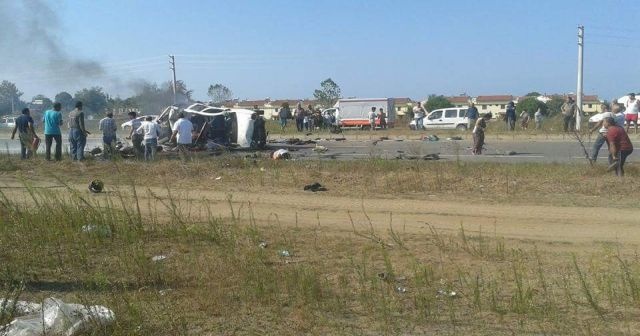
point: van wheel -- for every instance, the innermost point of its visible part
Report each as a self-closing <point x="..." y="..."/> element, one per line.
<point x="461" y="127"/>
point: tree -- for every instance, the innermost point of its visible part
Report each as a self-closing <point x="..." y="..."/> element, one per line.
<point x="219" y="94"/>
<point x="46" y="102"/>
<point x="328" y="94"/>
<point x="65" y="99"/>
<point x="435" y="102"/>
<point x="554" y="105"/>
<point x="531" y="105"/>
<point x="533" y="94"/>
<point x="94" y="100"/>
<point x="10" y="98"/>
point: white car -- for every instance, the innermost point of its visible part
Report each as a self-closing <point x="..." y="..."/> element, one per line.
<point x="448" y="118"/>
<point x="8" y="122"/>
<point x="127" y="125"/>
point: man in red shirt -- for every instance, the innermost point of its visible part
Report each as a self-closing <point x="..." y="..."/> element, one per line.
<point x="620" y="146"/>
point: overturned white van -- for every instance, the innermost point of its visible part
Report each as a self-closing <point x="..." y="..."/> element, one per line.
<point x="237" y="127"/>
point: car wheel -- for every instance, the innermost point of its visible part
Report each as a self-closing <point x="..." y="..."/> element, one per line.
<point x="461" y="127"/>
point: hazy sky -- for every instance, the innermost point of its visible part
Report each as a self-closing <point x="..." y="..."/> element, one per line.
<point x="285" y="48"/>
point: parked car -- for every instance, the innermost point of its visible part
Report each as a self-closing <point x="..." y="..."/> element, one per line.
<point x="127" y="125"/>
<point x="8" y="122"/>
<point x="448" y="118"/>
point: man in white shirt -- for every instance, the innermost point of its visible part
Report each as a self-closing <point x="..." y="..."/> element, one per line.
<point x="182" y="134"/>
<point x="418" y="115"/>
<point x="150" y="131"/>
<point x="372" y="118"/>
<point x="632" y="107"/>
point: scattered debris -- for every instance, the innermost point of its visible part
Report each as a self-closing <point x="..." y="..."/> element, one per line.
<point x="281" y="154"/>
<point x="95" y="151"/>
<point x="263" y="244"/>
<point x="340" y="139"/>
<point x="159" y="258"/>
<point x="54" y="317"/>
<point x="284" y="253"/>
<point x="262" y="169"/>
<point x="383" y="276"/>
<point x="450" y="294"/>
<point x="454" y="138"/>
<point x="97" y="230"/>
<point x="430" y="137"/>
<point x="511" y="153"/>
<point x="308" y="134"/>
<point x="384" y="138"/>
<point x="298" y="142"/>
<point x="19" y="308"/>
<point x="402" y="156"/>
<point x="401" y="289"/>
<point x="315" y="187"/>
<point x="164" y="292"/>
<point x="218" y="178"/>
<point x="320" y="149"/>
<point x="96" y="186"/>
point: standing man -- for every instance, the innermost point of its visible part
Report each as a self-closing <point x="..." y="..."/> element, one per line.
<point x="538" y="117"/>
<point x="631" y="112"/>
<point x="372" y="118"/>
<point x="136" y="138"/>
<point x="151" y="132"/>
<point x="472" y="115"/>
<point x="108" y="127"/>
<point x="284" y="114"/>
<point x="418" y="115"/>
<point x="382" y="119"/>
<point x="182" y="134"/>
<point x="26" y="133"/>
<point x="52" y="120"/>
<point x="299" y="114"/>
<point x="620" y="146"/>
<point x="478" y="133"/>
<point x="568" y="110"/>
<point x="510" y="116"/>
<point x="77" y="132"/>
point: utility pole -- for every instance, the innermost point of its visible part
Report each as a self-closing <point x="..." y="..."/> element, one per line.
<point x="172" y="61"/>
<point x="13" y="109"/>
<point x="580" y="70"/>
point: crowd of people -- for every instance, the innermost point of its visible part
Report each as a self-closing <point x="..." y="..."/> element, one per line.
<point x="306" y="119"/>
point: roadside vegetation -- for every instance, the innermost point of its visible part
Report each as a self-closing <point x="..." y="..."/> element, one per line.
<point x="237" y="274"/>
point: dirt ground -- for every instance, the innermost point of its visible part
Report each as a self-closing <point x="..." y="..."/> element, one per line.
<point x="567" y="224"/>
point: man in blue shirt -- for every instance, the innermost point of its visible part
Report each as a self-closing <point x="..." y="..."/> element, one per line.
<point x="472" y="115"/>
<point x="52" y="121"/>
<point x="26" y="133"/>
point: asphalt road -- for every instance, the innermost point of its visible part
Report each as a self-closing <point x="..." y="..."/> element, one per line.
<point x="504" y="150"/>
<point x="560" y="151"/>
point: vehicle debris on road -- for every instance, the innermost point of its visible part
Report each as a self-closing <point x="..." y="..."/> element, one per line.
<point x="315" y="187"/>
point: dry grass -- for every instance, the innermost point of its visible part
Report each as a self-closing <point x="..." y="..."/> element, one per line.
<point x="218" y="280"/>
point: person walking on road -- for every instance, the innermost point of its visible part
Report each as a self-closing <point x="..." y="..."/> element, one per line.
<point x="77" y="133"/>
<point x="569" y="110"/>
<point x="52" y="120"/>
<point x="631" y="112"/>
<point x="26" y="133"/>
<point x="108" y="127"/>
<point x="150" y="131"/>
<point x="510" y="116"/>
<point x="182" y="134"/>
<point x="372" y="118"/>
<point x="620" y="146"/>
<point x="478" y="133"/>
<point x="472" y="115"/>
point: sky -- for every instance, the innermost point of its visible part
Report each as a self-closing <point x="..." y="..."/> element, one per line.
<point x="285" y="48"/>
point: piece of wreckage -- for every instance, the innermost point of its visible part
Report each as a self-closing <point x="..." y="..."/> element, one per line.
<point x="215" y="129"/>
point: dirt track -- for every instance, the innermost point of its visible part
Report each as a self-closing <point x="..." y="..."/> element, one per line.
<point x="300" y="208"/>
